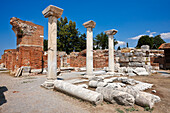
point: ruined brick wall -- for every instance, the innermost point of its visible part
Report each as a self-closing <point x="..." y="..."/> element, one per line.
<point x="100" y="59"/>
<point x="79" y="61"/>
<point x="45" y="59"/>
<point x="30" y="56"/>
<point x="27" y="33"/>
<point x="157" y="58"/>
<point x="34" y="39"/>
<point x="9" y="58"/>
<point x="1" y="61"/>
<point x="125" y="57"/>
<point x="167" y="58"/>
<point x="29" y="43"/>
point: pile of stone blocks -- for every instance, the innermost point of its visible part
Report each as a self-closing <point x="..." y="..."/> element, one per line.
<point x="124" y="91"/>
<point x="133" y="61"/>
<point x="133" y="58"/>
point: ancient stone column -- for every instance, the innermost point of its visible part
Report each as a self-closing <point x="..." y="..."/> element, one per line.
<point x="89" y="46"/>
<point x="52" y="13"/>
<point x="110" y="34"/>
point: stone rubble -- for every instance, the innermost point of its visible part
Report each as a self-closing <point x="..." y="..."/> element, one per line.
<point x="141" y="98"/>
<point x="115" y="85"/>
<point x="128" y="86"/>
<point x="83" y="86"/>
<point x="115" y="96"/>
<point x="75" y="81"/>
<point x="142" y="86"/>
<point x="79" y="92"/>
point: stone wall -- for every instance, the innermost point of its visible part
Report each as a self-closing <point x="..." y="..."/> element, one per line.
<point x="100" y="59"/>
<point x="132" y="57"/>
<point x="59" y="55"/>
<point x="157" y="58"/>
<point x="30" y="56"/>
<point x="166" y="48"/>
<point x="29" y="51"/>
<point x="125" y="58"/>
<point x="27" y="33"/>
<point x="9" y="58"/>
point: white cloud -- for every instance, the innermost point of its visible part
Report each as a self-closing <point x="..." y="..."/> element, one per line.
<point x="165" y="35"/>
<point x="151" y="34"/>
<point x="120" y="43"/>
<point x="148" y="31"/>
<point x="136" y="37"/>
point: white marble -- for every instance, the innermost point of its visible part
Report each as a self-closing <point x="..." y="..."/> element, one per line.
<point x="110" y="34"/>
<point x="89" y="46"/>
<point x="52" y="13"/>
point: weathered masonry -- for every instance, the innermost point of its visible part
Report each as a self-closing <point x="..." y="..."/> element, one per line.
<point x="29" y="51"/>
<point x="166" y="48"/>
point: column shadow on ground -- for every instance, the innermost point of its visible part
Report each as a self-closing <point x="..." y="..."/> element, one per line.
<point x="2" y="96"/>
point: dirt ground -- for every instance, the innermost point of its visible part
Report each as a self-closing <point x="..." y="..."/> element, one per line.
<point x="24" y="95"/>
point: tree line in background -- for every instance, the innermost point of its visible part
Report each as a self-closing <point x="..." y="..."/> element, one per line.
<point x="69" y="39"/>
<point x="153" y="42"/>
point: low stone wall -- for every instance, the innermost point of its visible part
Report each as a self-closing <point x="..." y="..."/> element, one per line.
<point x="133" y="58"/>
<point x="9" y="58"/>
<point x="126" y="58"/>
<point x="157" y="58"/>
<point x="130" y="58"/>
<point x="100" y="59"/>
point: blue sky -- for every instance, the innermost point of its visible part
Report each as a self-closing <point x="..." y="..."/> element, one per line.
<point x="132" y="18"/>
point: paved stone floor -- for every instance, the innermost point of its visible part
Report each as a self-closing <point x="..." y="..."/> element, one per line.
<point x="24" y="95"/>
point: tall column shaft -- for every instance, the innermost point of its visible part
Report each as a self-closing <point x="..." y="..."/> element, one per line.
<point x="52" y="47"/>
<point x="111" y="53"/>
<point x="89" y="52"/>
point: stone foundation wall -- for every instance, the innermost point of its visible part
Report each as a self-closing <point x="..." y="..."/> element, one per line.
<point x="157" y="58"/>
<point x="125" y="57"/>
<point x="45" y="59"/>
<point x="100" y="59"/>
<point x="9" y="58"/>
<point x="29" y="51"/>
<point x="30" y="56"/>
<point x="133" y="58"/>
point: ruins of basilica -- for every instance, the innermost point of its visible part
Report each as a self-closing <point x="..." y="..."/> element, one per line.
<point x="99" y="69"/>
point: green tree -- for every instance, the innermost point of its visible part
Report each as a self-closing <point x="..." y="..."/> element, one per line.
<point x="157" y="41"/>
<point x="127" y="45"/>
<point x="68" y="36"/>
<point x="119" y="48"/>
<point x="145" y="40"/>
<point x="101" y="41"/>
<point x="82" y="42"/>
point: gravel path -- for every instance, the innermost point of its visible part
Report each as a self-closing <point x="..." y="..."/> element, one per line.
<point x="24" y="95"/>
